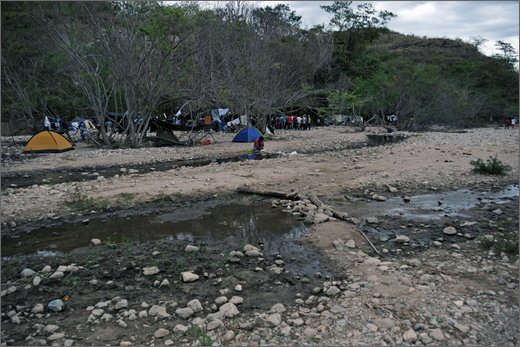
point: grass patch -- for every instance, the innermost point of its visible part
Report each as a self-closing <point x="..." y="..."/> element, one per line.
<point x="493" y="166"/>
<point x="198" y="334"/>
<point x="503" y="239"/>
<point x="79" y="201"/>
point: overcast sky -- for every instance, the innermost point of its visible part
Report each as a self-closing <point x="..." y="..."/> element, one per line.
<point x="491" y="20"/>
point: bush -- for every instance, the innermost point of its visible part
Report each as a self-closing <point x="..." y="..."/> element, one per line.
<point x="493" y="166"/>
<point x="500" y="242"/>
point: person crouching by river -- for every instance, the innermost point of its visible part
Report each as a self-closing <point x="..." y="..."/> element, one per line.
<point x="258" y="145"/>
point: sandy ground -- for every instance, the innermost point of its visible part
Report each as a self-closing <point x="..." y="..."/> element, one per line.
<point x="424" y="160"/>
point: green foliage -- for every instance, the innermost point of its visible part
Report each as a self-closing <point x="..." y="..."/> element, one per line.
<point x="198" y="334"/>
<point x="500" y="242"/>
<point x="79" y="201"/>
<point x="493" y="166"/>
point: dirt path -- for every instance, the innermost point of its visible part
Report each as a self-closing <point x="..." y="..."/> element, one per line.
<point x="421" y="290"/>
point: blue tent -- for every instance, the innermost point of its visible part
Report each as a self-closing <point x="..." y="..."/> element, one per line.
<point x="247" y="135"/>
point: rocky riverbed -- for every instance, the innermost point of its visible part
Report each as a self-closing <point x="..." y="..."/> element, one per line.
<point x="450" y="279"/>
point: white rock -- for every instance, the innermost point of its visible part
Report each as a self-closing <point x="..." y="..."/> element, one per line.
<point x="195" y="305"/>
<point x="36" y="281"/>
<point x="150" y="270"/>
<point x="190" y="248"/>
<point x="229" y="310"/>
<point x="401" y="239"/>
<point x="38" y="308"/>
<point x="274" y="319"/>
<point x="238" y="288"/>
<point x="189" y="276"/>
<point x="254" y="253"/>
<point x="161" y="332"/>
<point x="410" y="336"/>
<point x="236" y="300"/>
<point x="184" y="312"/>
<point x="27" y="273"/>
<point x="121" y="304"/>
<point x="214" y="324"/>
<point x="50" y="328"/>
<point x="57" y="274"/>
<point x="164" y="283"/>
<point x="95" y="242"/>
<point x="180" y="329"/>
<point x="333" y="290"/>
<point x="350" y="244"/>
<point x="248" y="248"/>
<point x="221" y="300"/>
<point x="278" y="308"/>
<point x="339" y="244"/>
<point x="56" y="336"/>
<point x="450" y="231"/>
<point x="158" y="311"/>
<point x="46" y="269"/>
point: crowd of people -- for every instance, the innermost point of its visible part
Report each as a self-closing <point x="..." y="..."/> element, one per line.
<point x="510" y="122"/>
<point x="293" y="122"/>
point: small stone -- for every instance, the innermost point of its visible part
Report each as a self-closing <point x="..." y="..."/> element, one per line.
<point x="350" y="244"/>
<point x="333" y="290"/>
<point x="372" y="220"/>
<point x="57" y="274"/>
<point x="450" y="231"/>
<point x="274" y="319"/>
<point x="27" y="273"/>
<point x="195" y="305"/>
<point x="409" y="336"/>
<point x="50" y="328"/>
<point x="121" y="304"/>
<point x="236" y="300"/>
<point x="56" y="305"/>
<point x="46" y="269"/>
<point x="229" y="310"/>
<point x="189" y="276"/>
<point x="461" y="327"/>
<point x="56" y="336"/>
<point x="238" y="288"/>
<point x="95" y="242"/>
<point x="190" y="249"/>
<point x="401" y="239"/>
<point x="214" y="324"/>
<point x="38" y="308"/>
<point x="161" y="332"/>
<point x="36" y="281"/>
<point x="278" y="308"/>
<point x="180" y="329"/>
<point x="184" y="312"/>
<point x="436" y="334"/>
<point x="339" y="244"/>
<point x="310" y="332"/>
<point x="147" y="271"/>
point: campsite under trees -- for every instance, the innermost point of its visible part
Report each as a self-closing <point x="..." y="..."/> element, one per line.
<point x="144" y="59"/>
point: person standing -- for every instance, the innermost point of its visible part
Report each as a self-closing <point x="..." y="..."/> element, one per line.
<point x="47" y="123"/>
<point x="309" y="122"/>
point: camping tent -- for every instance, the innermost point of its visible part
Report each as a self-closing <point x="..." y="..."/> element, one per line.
<point x="248" y="134"/>
<point x="47" y="141"/>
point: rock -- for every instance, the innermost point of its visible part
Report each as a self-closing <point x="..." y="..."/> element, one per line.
<point x="392" y="189"/>
<point x="221" y="300"/>
<point x="180" y="329"/>
<point x="338" y="309"/>
<point x="229" y="335"/>
<point x="164" y="283"/>
<point x="461" y="327"/>
<point x="401" y="239"/>
<point x="95" y="242"/>
<point x="189" y="276"/>
<point x="339" y="244"/>
<point x="238" y="288"/>
<point x="57" y="274"/>
<point x="378" y="197"/>
<point x="195" y="305"/>
<point x="298" y="322"/>
<point x="248" y="248"/>
<point x="497" y="211"/>
<point x="310" y="332"/>
<point x="38" y="308"/>
<point x="406" y="199"/>
<point x="56" y="336"/>
<point x="372" y="220"/>
<point x="214" y="324"/>
<point x="450" y="231"/>
<point x="158" y="311"/>
<point x="147" y="271"/>
<point x="409" y="336"/>
<point x="320" y="218"/>
<point x="277" y="308"/>
<point x="436" y="334"/>
<point x="351" y="244"/>
<point x="229" y="310"/>
<point x="236" y="300"/>
<point x="36" y="281"/>
<point x="385" y="323"/>
<point x="184" y="312"/>
<point x="161" y="332"/>
<point x="372" y="261"/>
<point x="50" y="328"/>
<point x="276" y="270"/>
<point x="254" y="253"/>
<point x="46" y="269"/>
<point x="121" y="304"/>
<point x="333" y="290"/>
<point x="274" y="319"/>
<point x="56" y="305"/>
<point x="27" y="273"/>
<point x="190" y="249"/>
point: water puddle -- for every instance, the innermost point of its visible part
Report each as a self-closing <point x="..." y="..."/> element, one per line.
<point x="432" y="206"/>
<point x="231" y="226"/>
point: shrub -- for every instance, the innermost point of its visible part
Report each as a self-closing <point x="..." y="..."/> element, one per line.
<point x="493" y="166"/>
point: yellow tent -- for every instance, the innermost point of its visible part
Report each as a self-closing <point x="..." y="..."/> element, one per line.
<point x="47" y="141"/>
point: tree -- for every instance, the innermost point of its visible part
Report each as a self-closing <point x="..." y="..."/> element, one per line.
<point x="366" y="16"/>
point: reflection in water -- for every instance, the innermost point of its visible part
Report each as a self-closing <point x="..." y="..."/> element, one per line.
<point x="236" y="224"/>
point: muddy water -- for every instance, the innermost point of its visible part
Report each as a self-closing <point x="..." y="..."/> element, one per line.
<point x="430" y="207"/>
<point x="235" y="225"/>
